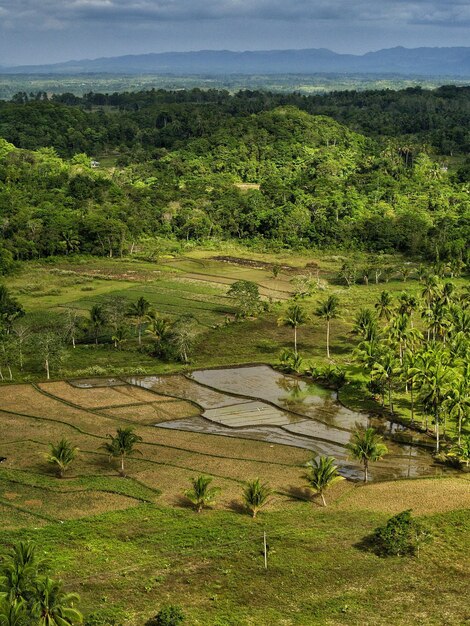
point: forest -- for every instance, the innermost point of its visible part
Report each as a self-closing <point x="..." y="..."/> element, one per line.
<point x="98" y="174"/>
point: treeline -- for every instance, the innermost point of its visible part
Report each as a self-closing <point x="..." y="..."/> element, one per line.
<point x="439" y="118"/>
<point x="282" y="176"/>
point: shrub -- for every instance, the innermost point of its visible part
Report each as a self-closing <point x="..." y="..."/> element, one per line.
<point x="170" y="615"/>
<point x="402" y="535"/>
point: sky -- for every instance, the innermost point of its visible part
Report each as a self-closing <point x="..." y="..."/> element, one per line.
<point x="48" y="31"/>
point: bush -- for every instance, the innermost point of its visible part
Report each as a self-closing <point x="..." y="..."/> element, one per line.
<point x="402" y="535"/>
<point x="170" y="615"/>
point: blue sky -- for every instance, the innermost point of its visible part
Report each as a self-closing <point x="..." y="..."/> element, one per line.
<point x="42" y="31"/>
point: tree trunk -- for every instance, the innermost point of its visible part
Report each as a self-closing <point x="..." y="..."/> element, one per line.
<point x="366" y="471"/>
<point x="46" y="363"/>
<point x="390" y="403"/>
<point x="73" y="341"/>
<point x="140" y="334"/>
<point x="328" y="338"/>
<point x="323" y="498"/>
<point x="437" y="432"/>
<point x="123" y="473"/>
<point x="412" y="404"/>
<point x="295" y="340"/>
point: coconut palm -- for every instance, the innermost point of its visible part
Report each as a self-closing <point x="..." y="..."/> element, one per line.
<point x="431" y="289"/>
<point x="321" y="474"/>
<point x="119" y="336"/>
<point x="366" y="446"/>
<point x="53" y="606"/>
<point x="62" y="456"/>
<point x="294" y="317"/>
<point x="140" y="311"/>
<point x="328" y="310"/>
<point x="201" y="494"/>
<point x="97" y="320"/>
<point x="122" y="445"/>
<point x="256" y="495"/>
<point x="386" y="371"/>
<point x="365" y="324"/>
<point x="407" y="305"/>
<point x="458" y="405"/>
<point x="435" y="383"/>
<point x="13" y="613"/>
<point x="19" y="569"/>
<point x="384" y="306"/>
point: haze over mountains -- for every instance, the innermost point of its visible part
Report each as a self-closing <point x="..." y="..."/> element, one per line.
<point x="402" y="61"/>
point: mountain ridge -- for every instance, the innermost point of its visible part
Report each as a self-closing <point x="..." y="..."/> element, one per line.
<point x="424" y="61"/>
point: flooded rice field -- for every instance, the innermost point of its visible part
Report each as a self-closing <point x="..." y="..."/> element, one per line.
<point x="256" y="402"/>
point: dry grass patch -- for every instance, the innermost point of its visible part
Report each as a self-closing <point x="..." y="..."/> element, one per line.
<point x="148" y="414"/>
<point x="181" y="387"/>
<point x="424" y="496"/>
<point x="96" y="397"/>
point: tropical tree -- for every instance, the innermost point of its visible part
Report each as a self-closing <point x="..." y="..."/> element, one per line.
<point x="122" y="445"/>
<point x="407" y="305"/>
<point x="256" y="496"/>
<point x="53" y="606"/>
<point x="321" y="474"/>
<point x="435" y="381"/>
<point x="62" y="456"/>
<point x="366" y="446"/>
<point x="139" y="311"/>
<point x="13" y="613"/>
<point x="73" y="323"/>
<point x="119" y="336"/>
<point x="201" y="494"/>
<point x="365" y="324"/>
<point x="246" y="294"/>
<point x="458" y="404"/>
<point x="386" y="370"/>
<point x="328" y="310"/>
<point x="97" y="320"/>
<point x="50" y="350"/>
<point x="384" y="306"/>
<point x="294" y="317"/>
<point x="183" y="336"/>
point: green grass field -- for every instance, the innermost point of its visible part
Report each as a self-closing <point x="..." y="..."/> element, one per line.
<point x="130" y="545"/>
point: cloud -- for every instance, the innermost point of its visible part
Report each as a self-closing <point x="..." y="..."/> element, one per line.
<point x="453" y="12"/>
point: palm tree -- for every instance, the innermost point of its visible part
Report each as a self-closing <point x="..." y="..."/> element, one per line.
<point x="407" y="305"/>
<point x="431" y="289"/>
<point x="458" y="405"/>
<point x="13" y="613"/>
<point x="19" y="569"/>
<point x="119" y="336"/>
<point x="386" y="370"/>
<point x="53" y="606"/>
<point x="294" y="317"/>
<point x="97" y="320"/>
<point x="384" y="305"/>
<point x="62" y="456"/>
<point x="321" y="474"/>
<point x="435" y="384"/>
<point x="328" y="310"/>
<point x="201" y="494"/>
<point x="365" y="324"/>
<point x="256" y="495"/>
<point x="366" y="446"/>
<point x="140" y="311"/>
<point x="122" y="445"/>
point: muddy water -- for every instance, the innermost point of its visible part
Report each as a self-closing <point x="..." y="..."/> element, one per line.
<point x="260" y="403"/>
<point x="287" y="392"/>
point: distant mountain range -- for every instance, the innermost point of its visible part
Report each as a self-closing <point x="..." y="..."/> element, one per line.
<point x="401" y="61"/>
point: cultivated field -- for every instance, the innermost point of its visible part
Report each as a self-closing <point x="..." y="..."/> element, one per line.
<point x="130" y="544"/>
